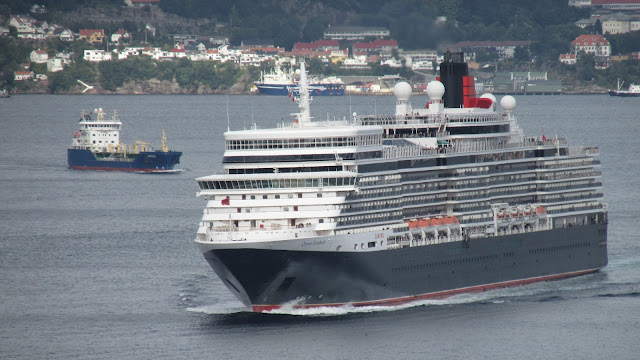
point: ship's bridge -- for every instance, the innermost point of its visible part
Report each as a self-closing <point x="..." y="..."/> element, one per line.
<point x="287" y="182"/>
<point x="320" y="135"/>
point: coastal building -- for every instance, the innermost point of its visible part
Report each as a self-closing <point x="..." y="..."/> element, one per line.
<point x="569" y="59"/>
<point x="24" y="24"/>
<point x="64" y="34"/>
<point x="616" y="4"/>
<point x="120" y="35"/>
<point x="97" y="55"/>
<point x="318" y="45"/>
<point x="504" y="49"/>
<point x="580" y="3"/>
<point x="23" y="75"/>
<point x="585" y="23"/>
<point x="39" y="56"/>
<point x="355" y="32"/>
<point x="38" y="9"/>
<point x="383" y="48"/>
<point x="597" y="45"/>
<point x="141" y="3"/>
<point x="94" y="36"/>
<point x="619" y="23"/>
<point x="55" y="65"/>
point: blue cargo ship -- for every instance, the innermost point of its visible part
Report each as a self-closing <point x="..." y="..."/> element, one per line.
<point x="96" y="146"/>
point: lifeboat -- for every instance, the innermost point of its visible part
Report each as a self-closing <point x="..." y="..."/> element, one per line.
<point x="437" y="221"/>
<point x="541" y="210"/>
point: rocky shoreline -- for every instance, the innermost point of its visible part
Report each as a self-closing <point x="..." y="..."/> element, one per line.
<point x="166" y="87"/>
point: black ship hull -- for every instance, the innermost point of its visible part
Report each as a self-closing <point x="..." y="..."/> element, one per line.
<point x="268" y="279"/>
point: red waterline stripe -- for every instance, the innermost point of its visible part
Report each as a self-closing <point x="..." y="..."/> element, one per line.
<point x="431" y="296"/>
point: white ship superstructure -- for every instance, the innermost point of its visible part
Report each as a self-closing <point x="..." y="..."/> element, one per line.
<point x="421" y="177"/>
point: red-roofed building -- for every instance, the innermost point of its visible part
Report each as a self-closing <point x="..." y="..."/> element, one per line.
<point x="382" y="47"/>
<point x="39" y="56"/>
<point x="569" y="59"/>
<point x="94" y="36"/>
<point x="23" y="75"/>
<point x="318" y="45"/>
<point x="592" y="44"/>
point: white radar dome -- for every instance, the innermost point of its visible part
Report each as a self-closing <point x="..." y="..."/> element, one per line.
<point x="489" y="96"/>
<point x="435" y="90"/>
<point x="508" y="102"/>
<point x="402" y="91"/>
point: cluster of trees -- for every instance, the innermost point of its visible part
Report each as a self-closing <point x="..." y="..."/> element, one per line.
<point x="113" y="74"/>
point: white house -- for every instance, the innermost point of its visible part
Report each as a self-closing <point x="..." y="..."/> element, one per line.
<point x="23" y="75"/>
<point x="119" y="35"/>
<point x="25" y="24"/>
<point x="592" y="44"/>
<point x="39" y="56"/>
<point x="55" y="65"/>
<point x="96" y="55"/>
<point x="569" y="59"/>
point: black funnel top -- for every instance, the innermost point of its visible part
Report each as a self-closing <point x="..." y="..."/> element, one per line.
<point x="452" y="71"/>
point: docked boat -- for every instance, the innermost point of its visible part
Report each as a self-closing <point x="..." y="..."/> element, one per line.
<point x="279" y="82"/>
<point x="633" y="91"/>
<point x="423" y="203"/>
<point x="96" y="146"/>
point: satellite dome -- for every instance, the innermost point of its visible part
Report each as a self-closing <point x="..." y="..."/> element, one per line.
<point x="489" y="96"/>
<point x="402" y="91"/>
<point x="435" y="90"/>
<point x="508" y="102"/>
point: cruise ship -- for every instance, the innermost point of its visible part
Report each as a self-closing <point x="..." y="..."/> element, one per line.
<point x="423" y="203"/>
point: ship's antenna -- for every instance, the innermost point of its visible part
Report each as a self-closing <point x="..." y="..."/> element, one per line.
<point x="228" y="121"/>
<point x="303" y="99"/>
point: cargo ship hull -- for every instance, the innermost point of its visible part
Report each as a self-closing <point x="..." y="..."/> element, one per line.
<point x="146" y="161"/>
<point x="267" y="279"/>
<point x="315" y="89"/>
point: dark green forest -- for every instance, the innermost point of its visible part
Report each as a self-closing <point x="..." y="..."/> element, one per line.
<point x="412" y="22"/>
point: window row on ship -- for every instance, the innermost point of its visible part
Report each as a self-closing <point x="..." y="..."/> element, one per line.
<point x="507" y="157"/>
<point x="395" y="165"/>
<point x="228" y="159"/>
<point x="261" y="144"/>
<point x="436" y="119"/>
<point x="345" y="221"/>
<point x="100" y="126"/>
<point x="275" y="184"/>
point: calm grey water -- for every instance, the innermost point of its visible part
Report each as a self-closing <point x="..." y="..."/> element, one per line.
<point x="99" y="265"/>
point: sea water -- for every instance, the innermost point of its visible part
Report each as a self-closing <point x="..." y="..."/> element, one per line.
<point x="102" y="265"/>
